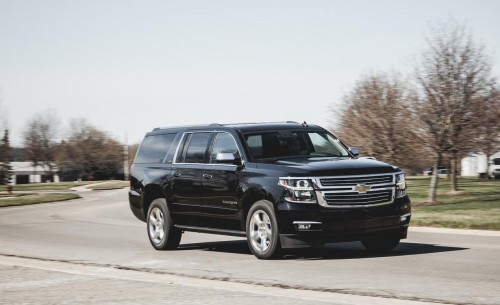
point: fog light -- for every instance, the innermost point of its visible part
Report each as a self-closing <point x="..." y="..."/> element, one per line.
<point x="307" y="225"/>
<point x="404" y="218"/>
<point x="304" y="227"/>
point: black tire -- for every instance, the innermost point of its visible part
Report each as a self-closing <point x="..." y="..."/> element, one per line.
<point x="161" y="232"/>
<point x="381" y="245"/>
<point x="262" y="231"/>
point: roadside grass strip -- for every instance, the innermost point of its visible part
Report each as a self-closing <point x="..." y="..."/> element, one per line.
<point x="36" y="198"/>
<point x="65" y="186"/>
<point x="476" y="206"/>
<point x="113" y="185"/>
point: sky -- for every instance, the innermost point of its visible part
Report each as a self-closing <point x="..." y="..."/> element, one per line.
<point x="130" y="66"/>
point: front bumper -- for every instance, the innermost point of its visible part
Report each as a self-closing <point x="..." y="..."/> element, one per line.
<point x="305" y="225"/>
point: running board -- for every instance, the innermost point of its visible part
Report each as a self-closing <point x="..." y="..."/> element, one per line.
<point x="211" y="230"/>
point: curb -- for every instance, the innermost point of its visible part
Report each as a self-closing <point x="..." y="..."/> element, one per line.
<point x="455" y="231"/>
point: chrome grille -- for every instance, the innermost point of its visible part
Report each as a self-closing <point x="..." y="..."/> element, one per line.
<point x="340" y="181"/>
<point x="355" y="191"/>
<point x="354" y="198"/>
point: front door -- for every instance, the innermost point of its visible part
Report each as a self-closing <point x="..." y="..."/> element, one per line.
<point x="221" y="185"/>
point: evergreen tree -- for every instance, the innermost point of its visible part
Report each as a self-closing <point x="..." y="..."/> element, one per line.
<point x="5" y="167"/>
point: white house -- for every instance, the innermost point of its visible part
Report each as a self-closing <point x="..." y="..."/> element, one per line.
<point x="475" y="164"/>
<point x="25" y="172"/>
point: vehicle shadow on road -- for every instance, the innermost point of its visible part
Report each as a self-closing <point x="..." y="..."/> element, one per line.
<point x="346" y="250"/>
<point x="354" y="250"/>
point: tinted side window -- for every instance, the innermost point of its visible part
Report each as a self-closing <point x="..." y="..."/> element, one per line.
<point x="154" y="148"/>
<point x="254" y="142"/>
<point x="196" y="151"/>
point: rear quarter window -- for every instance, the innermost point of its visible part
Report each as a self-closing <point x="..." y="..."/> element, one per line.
<point x="154" y="148"/>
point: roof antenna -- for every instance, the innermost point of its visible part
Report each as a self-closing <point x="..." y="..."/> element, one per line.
<point x="304" y="124"/>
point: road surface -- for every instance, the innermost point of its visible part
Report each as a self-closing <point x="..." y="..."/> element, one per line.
<point x="93" y="250"/>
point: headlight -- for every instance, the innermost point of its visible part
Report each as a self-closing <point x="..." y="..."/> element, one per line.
<point x="298" y="190"/>
<point x="400" y="185"/>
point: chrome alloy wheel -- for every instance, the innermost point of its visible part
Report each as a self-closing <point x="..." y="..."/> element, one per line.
<point x="156" y="224"/>
<point x="261" y="232"/>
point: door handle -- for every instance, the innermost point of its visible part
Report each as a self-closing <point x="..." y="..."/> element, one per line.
<point x="207" y="176"/>
<point x="177" y="174"/>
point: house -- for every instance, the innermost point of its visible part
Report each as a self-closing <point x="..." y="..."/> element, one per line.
<point x="474" y="164"/>
<point x="25" y="172"/>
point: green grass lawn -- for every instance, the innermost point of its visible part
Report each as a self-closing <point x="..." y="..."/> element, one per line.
<point x="36" y="198"/>
<point x="477" y="208"/>
<point x="110" y="185"/>
<point x="59" y="186"/>
<point x="7" y="195"/>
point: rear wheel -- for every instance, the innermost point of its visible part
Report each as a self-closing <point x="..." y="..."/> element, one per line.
<point x="381" y="245"/>
<point x="262" y="231"/>
<point x="162" y="234"/>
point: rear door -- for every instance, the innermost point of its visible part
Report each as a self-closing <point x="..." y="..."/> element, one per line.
<point x="186" y="184"/>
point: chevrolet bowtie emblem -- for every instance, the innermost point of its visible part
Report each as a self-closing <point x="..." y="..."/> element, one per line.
<point x="361" y="188"/>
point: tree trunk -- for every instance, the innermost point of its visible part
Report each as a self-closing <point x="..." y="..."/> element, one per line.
<point x="488" y="166"/>
<point x="434" y="180"/>
<point x="453" y="169"/>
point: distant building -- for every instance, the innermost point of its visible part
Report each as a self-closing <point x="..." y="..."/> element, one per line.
<point x="475" y="164"/>
<point x="25" y="172"/>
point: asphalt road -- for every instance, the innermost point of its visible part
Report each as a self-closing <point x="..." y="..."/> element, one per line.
<point x="93" y="250"/>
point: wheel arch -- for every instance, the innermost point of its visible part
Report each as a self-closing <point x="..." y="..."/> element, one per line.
<point x="151" y="192"/>
<point x="251" y="197"/>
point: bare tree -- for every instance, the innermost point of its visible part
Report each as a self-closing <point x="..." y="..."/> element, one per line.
<point x="132" y="151"/>
<point x="453" y="73"/>
<point x="90" y="153"/>
<point x="375" y="117"/>
<point x="39" y="139"/>
<point x="33" y="143"/>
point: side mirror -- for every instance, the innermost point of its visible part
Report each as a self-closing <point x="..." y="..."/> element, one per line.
<point x="354" y="151"/>
<point x="228" y="158"/>
<point x="225" y="157"/>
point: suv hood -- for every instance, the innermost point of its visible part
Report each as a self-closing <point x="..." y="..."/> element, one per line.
<point x="333" y="166"/>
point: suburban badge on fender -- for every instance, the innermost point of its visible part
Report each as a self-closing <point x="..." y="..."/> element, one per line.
<point x="229" y="202"/>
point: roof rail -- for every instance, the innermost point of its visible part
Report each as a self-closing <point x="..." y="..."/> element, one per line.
<point x="220" y="125"/>
<point x="250" y="123"/>
<point x="180" y="126"/>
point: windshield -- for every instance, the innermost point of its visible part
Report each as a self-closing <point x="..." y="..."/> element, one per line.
<point x="289" y="143"/>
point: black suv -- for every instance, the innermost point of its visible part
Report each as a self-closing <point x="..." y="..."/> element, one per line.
<point x="280" y="185"/>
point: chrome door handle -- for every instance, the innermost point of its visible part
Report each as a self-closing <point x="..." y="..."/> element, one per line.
<point x="207" y="176"/>
<point x="177" y="174"/>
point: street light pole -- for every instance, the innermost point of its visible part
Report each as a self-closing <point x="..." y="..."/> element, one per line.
<point x="125" y="159"/>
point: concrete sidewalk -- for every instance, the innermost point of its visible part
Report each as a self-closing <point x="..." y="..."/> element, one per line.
<point x="84" y="188"/>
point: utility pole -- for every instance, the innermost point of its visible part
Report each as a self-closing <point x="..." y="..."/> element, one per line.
<point x="125" y="159"/>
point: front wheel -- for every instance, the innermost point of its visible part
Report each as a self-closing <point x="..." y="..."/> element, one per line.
<point x="162" y="234"/>
<point x="381" y="245"/>
<point x="262" y="231"/>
